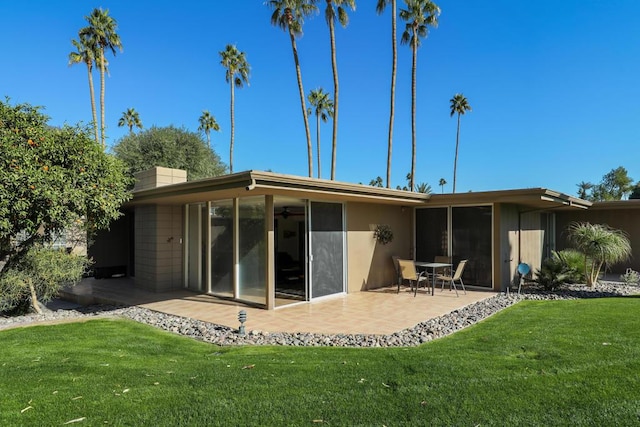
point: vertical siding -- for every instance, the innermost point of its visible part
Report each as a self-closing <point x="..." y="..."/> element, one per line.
<point x="506" y="245"/>
<point x="531" y="240"/>
<point x="369" y="264"/>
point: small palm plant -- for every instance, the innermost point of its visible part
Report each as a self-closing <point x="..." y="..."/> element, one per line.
<point x="130" y="119"/>
<point x="600" y="245"/>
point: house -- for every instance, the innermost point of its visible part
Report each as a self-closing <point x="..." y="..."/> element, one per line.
<point x="268" y="239"/>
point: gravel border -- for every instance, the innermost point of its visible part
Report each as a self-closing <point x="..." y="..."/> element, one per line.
<point x="222" y="335"/>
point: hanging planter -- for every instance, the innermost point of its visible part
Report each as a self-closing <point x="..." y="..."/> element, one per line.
<point x="383" y="234"/>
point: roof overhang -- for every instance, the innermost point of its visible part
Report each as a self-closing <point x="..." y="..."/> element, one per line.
<point x="254" y="183"/>
<point x="529" y="198"/>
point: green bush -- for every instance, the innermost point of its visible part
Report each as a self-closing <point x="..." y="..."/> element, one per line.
<point x="43" y="272"/>
<point x="563" y="267"/>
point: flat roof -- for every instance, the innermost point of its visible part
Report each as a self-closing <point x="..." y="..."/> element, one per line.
<point x="257" y="183"/>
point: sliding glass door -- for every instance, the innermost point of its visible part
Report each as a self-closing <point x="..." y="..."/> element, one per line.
<point x="326" y="235"/>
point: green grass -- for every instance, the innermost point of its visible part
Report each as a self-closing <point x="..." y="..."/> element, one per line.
<point x="537" y="363"/>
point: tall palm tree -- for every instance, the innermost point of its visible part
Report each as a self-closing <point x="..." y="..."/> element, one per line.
<point x="442" y="183"/>
<point x="237" y="75"/>
<point x="331" y="14"/>
<point x="289" y="16"/>
<point x="419" y="15"/>
<point x="323" y="108"/>
<point x="130" y="118"/>
<point x="207" y="124"/>
<point x="459" y="105"/>
<point x="86" y="53"/>
<point x="382" y="4"/>
<point x="102" y="34"/>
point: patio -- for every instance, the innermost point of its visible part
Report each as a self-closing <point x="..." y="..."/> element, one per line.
<point x="381" y="311"/>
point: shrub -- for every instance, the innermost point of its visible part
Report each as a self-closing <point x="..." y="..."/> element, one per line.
<point x="38" y="277"/>
<point x="630" y="277"/>
<point x="563" y="267"/>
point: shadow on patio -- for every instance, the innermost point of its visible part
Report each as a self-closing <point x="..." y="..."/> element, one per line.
<point x="381" y="311"/>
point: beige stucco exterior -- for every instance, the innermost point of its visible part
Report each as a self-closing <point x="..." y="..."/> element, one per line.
<point x="158" y="212"/>
<point x="369" y="263"/>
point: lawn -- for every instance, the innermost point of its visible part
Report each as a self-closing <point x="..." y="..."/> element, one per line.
<point x="536" y="363"/>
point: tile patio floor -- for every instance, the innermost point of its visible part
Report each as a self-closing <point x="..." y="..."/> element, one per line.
<point x="381" y="311"/>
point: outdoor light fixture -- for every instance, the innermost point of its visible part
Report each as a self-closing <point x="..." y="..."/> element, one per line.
<point x="242" y="317"/>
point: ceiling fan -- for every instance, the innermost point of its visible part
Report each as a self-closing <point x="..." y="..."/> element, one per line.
<point x="286" y="212"/>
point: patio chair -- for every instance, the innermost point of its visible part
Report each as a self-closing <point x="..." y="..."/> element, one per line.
<point x="457" y="277"/>
<point x="443" y="271"/>
<point x="408" y="272"/>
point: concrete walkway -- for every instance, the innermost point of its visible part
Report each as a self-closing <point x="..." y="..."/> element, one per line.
<point x="382" y="311"/>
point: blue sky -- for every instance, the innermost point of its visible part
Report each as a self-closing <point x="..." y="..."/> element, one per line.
<point x="553" y="85"/>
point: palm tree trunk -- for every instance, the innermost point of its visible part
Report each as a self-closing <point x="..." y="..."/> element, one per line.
<point x="413" y="110"/>
<point x="393" y="89"/>
<point x="233" y="125"/>
<point x="334" y="67"/>
<point x="318" y="142"/>
<point x="455" y="161"/>
<point x="208" y="132"/>
<point x="93" y="105"/>
<point x="302" y="102"/>
<point x="102" y="97"/>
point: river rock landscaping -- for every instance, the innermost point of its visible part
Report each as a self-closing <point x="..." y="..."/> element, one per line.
<point x="222" y="335"/>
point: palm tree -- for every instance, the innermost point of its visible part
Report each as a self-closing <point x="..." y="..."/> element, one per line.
<point x="289" y="15"/>
<point x="86" y="53"/>
<point x="424" y="188"/>
<point x="130" y="118"/>
<point x="419" y="15"/>
<point x="102" y="35"/>
<point x="323" y="108"/>
<point x="237" y="75"/>
<point x="331" y="13"/>
<point x="459" y="105"/>
<point x="380" y="8"/>
<point x="600" y="245"/>
<point x="442" y="183"/>
<point x="207" y="124"/>
<point x="583" y="188"/>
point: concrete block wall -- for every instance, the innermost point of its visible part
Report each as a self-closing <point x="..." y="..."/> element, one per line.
<point x="158" y="177"/>
<point x="158" y="249"/>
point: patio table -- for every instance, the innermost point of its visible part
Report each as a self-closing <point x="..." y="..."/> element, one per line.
<point x="432" y="266"/>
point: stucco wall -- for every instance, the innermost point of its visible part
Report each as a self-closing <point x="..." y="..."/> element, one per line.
<point x="158" y="247"/>
<point x="369" y="264"/>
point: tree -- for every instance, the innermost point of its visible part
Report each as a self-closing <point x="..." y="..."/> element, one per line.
<point x="52" y="179"/>
<point x="377" y="182"/>
<point x="459" y="105"/>
<point x="419" y="15"/>
<point x="237" y="75"/>
<point x="170" y="147"/>
<point x="442" y="183"/>
<point x="600" y="245"/>
<point x="130" y="118"/>
<point x="323" y="108"/>
<point x="583" y="189"/>
<point x="87" y="53"/>
<point x="615" y="185"/>
<point x="331" y="14"/>
<point x="207" y="124"/>
<point x="423" y="187"/>
<point x="101" y="34"/>
<point x="382" y="4"/>
<point x="289" y="16"/>
<point x="635" y="192"/>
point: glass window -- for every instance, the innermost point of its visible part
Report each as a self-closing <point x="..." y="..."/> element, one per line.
<point x="471" y="240"/>
<point x="431" y="233"/>
<point x="252" y="280"/>
<point x="221" y="226"/>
